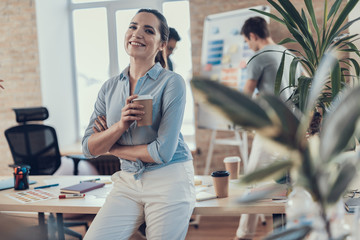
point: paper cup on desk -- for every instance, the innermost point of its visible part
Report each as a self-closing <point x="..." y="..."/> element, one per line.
<point x="221" y="183"/>
<point x="146" y="101"/>
<point x="232" y="165"/>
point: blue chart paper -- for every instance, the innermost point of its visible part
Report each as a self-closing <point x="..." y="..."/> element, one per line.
<point x="9" y="183"/>
<point x="215" y="52"/>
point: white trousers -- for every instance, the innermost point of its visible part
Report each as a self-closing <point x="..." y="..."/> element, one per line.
<point x="259" y="157"/>
<point x="163" y="198"/>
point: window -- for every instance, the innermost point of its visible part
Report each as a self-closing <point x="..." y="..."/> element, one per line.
<point x="178" y="16"/>
<point x="99" y="28"/>
<point x="122" y="23"/>
<point x="92" y="58"/>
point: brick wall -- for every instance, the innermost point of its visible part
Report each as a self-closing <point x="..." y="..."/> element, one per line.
<point x="19" y="66"/>
<point x="19" y="63"/>
<point x="199" y="9"/>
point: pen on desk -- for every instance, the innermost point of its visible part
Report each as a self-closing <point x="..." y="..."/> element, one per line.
<point x="47" y="186"/>
<point x="63" y="196"/>
<point x="90" y="180"/>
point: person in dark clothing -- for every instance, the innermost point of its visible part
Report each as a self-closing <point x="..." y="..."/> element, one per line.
<point x="173" y="39"/>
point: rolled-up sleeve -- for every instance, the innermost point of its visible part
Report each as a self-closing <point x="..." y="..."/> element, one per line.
<point x="173" y="105"/>
<point x="99" y="110"/>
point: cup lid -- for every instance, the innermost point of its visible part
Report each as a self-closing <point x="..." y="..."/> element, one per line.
<point x="143" y="97"/>
<point x="220" y="174"/>
<point x="232" y="159"/>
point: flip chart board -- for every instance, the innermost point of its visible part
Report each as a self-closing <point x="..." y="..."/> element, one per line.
<point x="224" y="57"/>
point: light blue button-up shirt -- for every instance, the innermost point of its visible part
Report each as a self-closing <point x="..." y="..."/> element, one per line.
<point x="165" y="143"/>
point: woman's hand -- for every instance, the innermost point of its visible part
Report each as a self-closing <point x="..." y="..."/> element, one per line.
<point x="130" y="113"/>
<point x="101" y="124"/>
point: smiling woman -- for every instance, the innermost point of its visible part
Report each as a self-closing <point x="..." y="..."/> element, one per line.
<point x="156" y="178"/>
<point x="142" y="37"/>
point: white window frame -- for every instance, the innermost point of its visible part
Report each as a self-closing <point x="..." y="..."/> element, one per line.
<point x="57" y="58"/>
<point x="111" y="8"/>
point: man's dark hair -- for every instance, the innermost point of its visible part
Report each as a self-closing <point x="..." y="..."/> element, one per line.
<point x="173" y="34"/>
<point x="256" y="25"/>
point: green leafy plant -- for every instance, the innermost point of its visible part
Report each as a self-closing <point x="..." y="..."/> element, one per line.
<point x="312" y="161"/>
<point x="314" y="40"/>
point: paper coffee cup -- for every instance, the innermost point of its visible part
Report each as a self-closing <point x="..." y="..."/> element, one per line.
<point x="146" y="101"/>
<point x="221" y="183"/>
<point x="232" y="165"/>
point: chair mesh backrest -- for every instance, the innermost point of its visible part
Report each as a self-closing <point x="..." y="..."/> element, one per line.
<point x="35" y="145"/>
<point x="24" y="115"/>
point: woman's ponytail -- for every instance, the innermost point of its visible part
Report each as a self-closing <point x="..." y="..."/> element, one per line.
<point x="160" y="57"/>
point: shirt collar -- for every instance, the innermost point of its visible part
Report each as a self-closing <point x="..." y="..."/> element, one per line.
<point x="124" y="74"/>
<point x="153" y="73"/>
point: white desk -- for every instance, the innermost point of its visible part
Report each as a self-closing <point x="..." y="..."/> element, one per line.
<point x="96" y="198"/>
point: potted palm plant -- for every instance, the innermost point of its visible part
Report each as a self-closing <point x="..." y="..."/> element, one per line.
<point x="314" y="40"/>
<point x="320" y="163"/>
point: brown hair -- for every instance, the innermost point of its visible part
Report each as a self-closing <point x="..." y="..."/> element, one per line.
<point x="256" y="25"/>
<point x="164" y="33"/>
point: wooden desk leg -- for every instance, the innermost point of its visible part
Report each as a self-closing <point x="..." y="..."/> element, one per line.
<point x="60" y="226"/>
<point x="42" y="226"/>
<point x="279" y="221"/>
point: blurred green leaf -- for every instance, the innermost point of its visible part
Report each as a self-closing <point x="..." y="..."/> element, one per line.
<point x="294" y="233"/>
<point x="354" y="48"/>
<point x="356" y="66"/>
<point x="334" y="8"/>
<point x="344" y="41"/>
<point x="348" y="50"/>
<point x="310" y="9"/>
<point x="325" y="20"/>
<point x="269" y="15"/>
<point x="287" y="121"/>
<point x="351" y="146"/>
<point x="303" y="26"/>
<point x="287" y="40"/>
<point x="343" y="28"/>
<point x="240" y="109"/>
<point x="303" y="91"/>
<point x="285" y="15"/>
<point x="335" y="79"/>
<point x="346" y="174"/>
<point x="293" y="71"/>
<point x="343" y="119"/>
<point x="307" y="25"/>
<point x="279" y="75"/>
<point x="342" y="17"/>
<point x="273" y="169"/>
<point x="344" y="157"/>
<point x="263" y="192"/>
<point x="301" y="39"/>
<point x="320" y="78"/>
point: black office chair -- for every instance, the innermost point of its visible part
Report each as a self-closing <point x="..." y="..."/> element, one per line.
<point x="36" y="145"/>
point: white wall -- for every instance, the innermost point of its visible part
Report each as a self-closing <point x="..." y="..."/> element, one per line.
<point x="55" y="68"/>
<point x="355" y="29"/>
